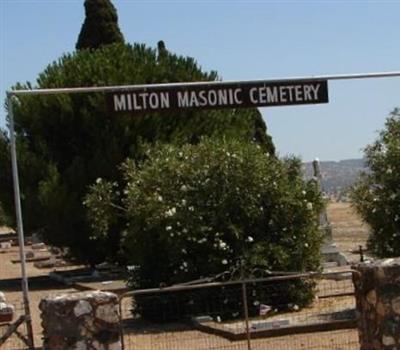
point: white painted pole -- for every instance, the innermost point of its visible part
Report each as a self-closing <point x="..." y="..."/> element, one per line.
<point x="20" y="229"/>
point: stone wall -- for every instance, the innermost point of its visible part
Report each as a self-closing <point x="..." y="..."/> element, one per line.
<point x="377" y="288"/>
<point x="88" y="320"/>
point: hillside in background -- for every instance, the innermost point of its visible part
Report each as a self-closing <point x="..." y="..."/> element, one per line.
<point x="337" y="176"/>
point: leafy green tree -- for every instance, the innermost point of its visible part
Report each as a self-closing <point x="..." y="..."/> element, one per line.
<point x="199" y="210"/>
<point x="32" y="169"/>
<point x="65" y="142"/>
<point x="100" y="26"/>
<point x="376" y="195"/>
<point x="192" y="211"/>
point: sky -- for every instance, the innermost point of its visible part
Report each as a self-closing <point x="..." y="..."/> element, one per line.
<point x="242" y="40"/>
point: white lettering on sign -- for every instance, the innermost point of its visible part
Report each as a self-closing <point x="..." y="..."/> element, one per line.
<point x="272" y="97"/>
<point x="119" y="103"/>
<point x="233" y="95"/>
<point x="315" y="90"/>
<point x="283" y="94"/>
<point x="141" y="101"/>
<point x="202" y="98"/>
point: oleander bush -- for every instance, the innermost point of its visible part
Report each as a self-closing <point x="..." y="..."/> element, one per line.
<point x="194" y="211"/>
<point x="376" y="195"/>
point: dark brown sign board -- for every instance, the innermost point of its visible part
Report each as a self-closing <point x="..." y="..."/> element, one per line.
<point x="217" y="95"/>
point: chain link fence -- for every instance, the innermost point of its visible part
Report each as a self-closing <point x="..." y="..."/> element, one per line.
<point x="303" y="311"/>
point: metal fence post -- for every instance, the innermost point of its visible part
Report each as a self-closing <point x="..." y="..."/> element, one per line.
<point x="246" y="315"/>
<point x="20" y="229"/>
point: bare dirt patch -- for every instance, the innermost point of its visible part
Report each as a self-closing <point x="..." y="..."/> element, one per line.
<point x="348" y="230"/>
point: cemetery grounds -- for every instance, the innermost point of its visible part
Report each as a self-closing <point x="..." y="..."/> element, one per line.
<point x="348" y="233"/>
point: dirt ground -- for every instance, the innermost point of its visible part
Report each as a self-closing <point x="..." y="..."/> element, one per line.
<point x="348" y="233"/>
<point x="39" y="286"/>
<point x="195" y="340"/>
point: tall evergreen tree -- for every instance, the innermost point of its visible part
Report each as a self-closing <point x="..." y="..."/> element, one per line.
<point x="66" y="142"/>
<point x="100" y="26"/>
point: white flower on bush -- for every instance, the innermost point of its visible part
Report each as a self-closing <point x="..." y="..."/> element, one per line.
<point x="224" y="262"/>
<point x="184" y="266"/>
<point x="191" y="208"/>
<point x="170" y="212"/>
<point x="309" y="206"/>
<point x="183" y="188"/>
<point x="160" y="198"/>
<point x="203" y="240"/>
<point x="249" y="239"/>
<point x="184" y="202"/>
<point x="168" y="228"/>
<point x="98" y="180"/>
<point x="223" y="245"/>
<point x="306" y="245"/>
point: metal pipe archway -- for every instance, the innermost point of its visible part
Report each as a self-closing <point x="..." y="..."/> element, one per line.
<point x="13" y="94"/>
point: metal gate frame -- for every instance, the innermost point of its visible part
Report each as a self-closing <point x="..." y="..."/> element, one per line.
<point x="12" y="97"/>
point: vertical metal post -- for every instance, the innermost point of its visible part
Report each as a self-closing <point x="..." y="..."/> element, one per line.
<point x="20" y="229"/>
<point x="245" y="306"/>
<point x="246" y="315"/>
<point x="121" y="325"/>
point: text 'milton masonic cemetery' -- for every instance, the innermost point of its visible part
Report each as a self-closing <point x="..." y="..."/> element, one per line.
<point x="218" y="95"/>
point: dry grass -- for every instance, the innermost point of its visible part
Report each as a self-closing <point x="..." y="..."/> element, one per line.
<point x="348" y="230"/>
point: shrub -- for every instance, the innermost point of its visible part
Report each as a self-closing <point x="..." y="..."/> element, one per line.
<point x="376" y="195"/>
<point x="193" y="211"/>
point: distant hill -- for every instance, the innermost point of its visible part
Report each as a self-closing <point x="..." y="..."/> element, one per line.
<point x="337" y="176"/>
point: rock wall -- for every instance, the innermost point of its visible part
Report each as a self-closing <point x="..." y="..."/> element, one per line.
<point x="377" y="288"/>
<point x="88" y="320"/>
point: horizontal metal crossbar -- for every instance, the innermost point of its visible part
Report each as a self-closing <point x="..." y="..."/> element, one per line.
<point x="93" y="89"/>
<point x="177" y="288"/>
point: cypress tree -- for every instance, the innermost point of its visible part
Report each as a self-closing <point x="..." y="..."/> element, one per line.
<point x="100" y="26"/>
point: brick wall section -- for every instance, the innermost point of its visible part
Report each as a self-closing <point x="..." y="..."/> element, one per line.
<point x="88" y="320"/>
<point x="377" y="288"/>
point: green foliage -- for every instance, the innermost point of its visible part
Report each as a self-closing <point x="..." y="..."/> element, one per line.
<point x="201" y="210"/>
<point x="66" y="142"/>
<point x="192" y="211"/>
<point x="224" y="302"/>
<point x="100" y="26"/>
<point x="5" y="179"/>
<point x="376" y="195"/>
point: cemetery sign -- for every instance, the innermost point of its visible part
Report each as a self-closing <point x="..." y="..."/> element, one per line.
<point x="215" y="95"/>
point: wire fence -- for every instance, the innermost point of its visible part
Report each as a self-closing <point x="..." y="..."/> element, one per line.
<point x="13" y="329"/>
<point x="306" y="311"/>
